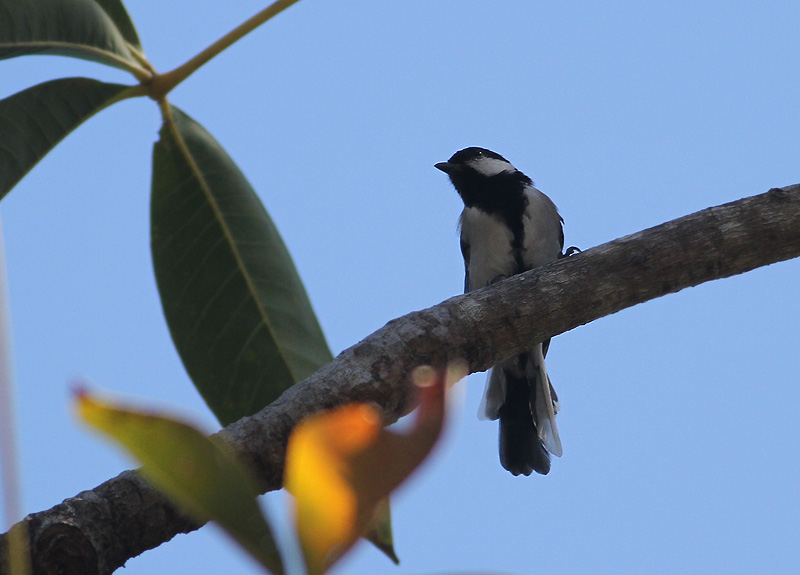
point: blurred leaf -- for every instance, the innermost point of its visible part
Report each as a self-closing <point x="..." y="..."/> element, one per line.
<point x="379" y="532"/>
<point x="119" y="15"/>
<point x="198" y="473"/>
<point x="328" y="514"/>
<point x="341" y="466"/>
<point x="236" y="308"/>
<point x="33" y="121"/>
<point x="76" y="28"/>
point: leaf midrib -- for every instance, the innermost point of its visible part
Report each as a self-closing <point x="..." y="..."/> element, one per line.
<point x="228" y="236"/>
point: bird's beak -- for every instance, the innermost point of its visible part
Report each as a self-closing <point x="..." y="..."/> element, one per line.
<point x="445" y="167"/>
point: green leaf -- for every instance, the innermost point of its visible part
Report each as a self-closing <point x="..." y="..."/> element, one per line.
<point x="380" y="532"/>
<point x="236" y="308"/>
<point x="198" y="473"/>
<point x="76" y="28"/>
<point x="117" y="12"/>
<point x="33" y="121"/>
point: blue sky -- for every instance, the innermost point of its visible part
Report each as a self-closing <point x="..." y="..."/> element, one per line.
<point x="679" y="416"/>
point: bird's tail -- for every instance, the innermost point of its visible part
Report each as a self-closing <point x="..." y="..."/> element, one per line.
<point x="519" y="393"/>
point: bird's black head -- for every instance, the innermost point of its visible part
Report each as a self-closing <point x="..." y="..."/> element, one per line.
<point x="478" y="160"/>
<point x="481" y="177"/>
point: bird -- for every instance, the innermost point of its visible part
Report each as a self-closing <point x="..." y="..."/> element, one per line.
<point x="508" y="227"/>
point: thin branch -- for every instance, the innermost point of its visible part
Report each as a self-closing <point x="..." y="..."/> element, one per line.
<point x="98" y="530"/>
<point x="19" y="556"/>
<point x="162" y="84"/>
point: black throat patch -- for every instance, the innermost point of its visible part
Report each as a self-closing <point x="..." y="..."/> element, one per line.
<point x="503" y="195"/>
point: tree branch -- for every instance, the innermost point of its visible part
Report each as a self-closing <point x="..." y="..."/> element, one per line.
<point x="97" y="531"/>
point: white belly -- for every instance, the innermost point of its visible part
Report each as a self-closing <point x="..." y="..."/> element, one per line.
<point x="490" y="254"/>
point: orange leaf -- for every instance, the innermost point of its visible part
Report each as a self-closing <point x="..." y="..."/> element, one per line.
<point x="341" y="464"/>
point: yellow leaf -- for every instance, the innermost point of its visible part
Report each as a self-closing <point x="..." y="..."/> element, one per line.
<point x="341" y="465"/>
<point x="196" y="472"/>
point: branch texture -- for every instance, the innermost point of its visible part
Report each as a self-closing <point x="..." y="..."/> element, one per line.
<point x="97" y="531"/>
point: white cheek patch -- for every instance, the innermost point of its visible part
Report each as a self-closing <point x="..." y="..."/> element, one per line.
<point x="490" y="166"/>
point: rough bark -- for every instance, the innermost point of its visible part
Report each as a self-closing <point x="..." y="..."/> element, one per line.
<point x="97" y="531"/>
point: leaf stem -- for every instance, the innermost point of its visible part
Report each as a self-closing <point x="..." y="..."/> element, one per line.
<point x="162" y="84"/>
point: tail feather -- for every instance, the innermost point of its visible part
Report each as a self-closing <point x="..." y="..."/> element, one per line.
<point x="494" y="394"/>
<point x="544" y="403"/>
<point x="521" y="450"/>
<point x="519" y="393"/>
